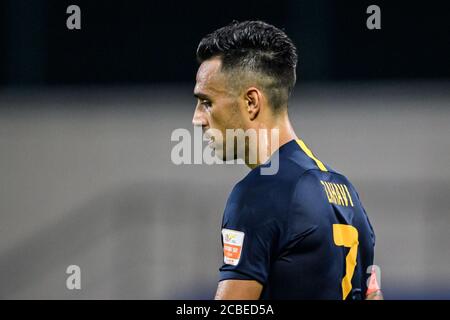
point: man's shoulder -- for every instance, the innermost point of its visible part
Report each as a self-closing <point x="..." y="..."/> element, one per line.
<point x="266" y="193"/>
<point x="290" y="169"/>
<point x="256" y="180"/>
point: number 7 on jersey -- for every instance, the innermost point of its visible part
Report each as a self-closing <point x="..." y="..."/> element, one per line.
<point x="347" y="236"/>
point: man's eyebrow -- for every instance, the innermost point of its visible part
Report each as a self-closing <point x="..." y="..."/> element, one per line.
<point x="200" y="95"/>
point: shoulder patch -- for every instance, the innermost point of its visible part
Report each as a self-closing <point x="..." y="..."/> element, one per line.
<point x="232" y="246"/>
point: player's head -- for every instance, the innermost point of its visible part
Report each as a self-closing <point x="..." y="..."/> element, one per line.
<point x="246" y="74"/>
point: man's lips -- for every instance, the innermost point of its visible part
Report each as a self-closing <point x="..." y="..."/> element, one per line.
<point x="208" y="137"/>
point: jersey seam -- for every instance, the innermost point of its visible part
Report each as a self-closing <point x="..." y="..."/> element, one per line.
<point x="300" y="178"/>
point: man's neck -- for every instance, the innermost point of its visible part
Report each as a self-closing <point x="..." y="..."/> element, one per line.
<point x="275" y="135"/>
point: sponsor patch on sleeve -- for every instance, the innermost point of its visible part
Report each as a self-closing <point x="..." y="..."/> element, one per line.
<point x="232" y="246"/>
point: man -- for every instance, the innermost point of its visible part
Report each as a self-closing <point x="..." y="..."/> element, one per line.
<point x="301" y="233"/>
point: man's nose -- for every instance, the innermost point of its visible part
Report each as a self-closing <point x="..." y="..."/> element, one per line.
<point x="199" y="118"/>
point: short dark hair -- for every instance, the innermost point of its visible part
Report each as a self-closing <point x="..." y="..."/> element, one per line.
<point x="258" y="47"/>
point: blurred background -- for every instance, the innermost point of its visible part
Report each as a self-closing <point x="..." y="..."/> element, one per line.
<point x="86" y="118"/>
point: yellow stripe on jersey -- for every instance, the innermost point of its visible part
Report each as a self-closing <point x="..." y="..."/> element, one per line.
<point x="311" y="155"/>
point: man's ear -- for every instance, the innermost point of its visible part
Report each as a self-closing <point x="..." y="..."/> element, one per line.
<point x="253" y="98"/>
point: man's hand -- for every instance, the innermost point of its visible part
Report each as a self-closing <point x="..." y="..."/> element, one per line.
<point x="238" y="290"/>
<point x="376" y="295"/>
<point x="373" y="290"/>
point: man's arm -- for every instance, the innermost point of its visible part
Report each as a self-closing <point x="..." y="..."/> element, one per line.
<point x="238" y="290"/>
<point x="251" y="290"/>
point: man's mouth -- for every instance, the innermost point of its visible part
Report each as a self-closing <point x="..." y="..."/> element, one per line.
<point x="209" y="137"/>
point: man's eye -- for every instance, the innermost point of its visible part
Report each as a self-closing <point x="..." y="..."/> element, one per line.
<point x="206" y="103"/>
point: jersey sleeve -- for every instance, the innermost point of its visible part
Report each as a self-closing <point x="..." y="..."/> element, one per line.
<point x="250" y="237"/>
<point x="372" y="232"/>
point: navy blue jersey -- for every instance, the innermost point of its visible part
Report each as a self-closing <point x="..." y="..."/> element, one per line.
<point x="302" y="232"/>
